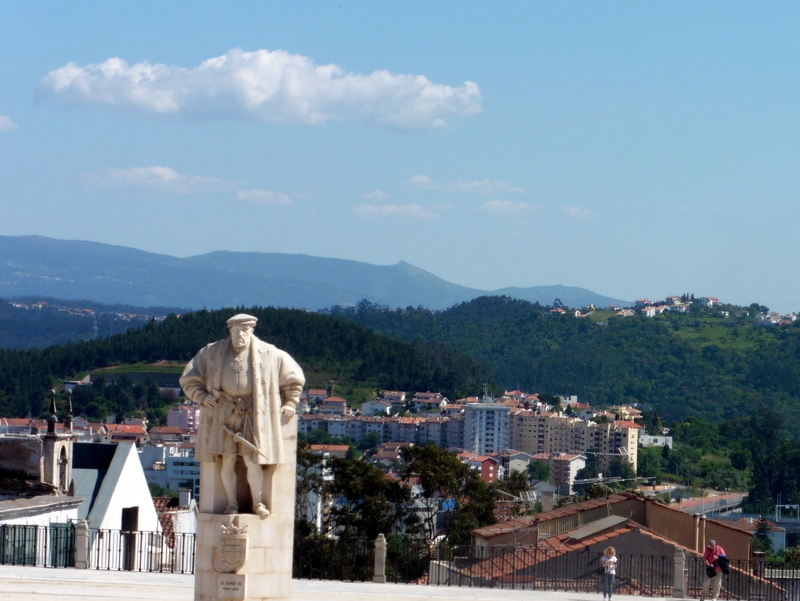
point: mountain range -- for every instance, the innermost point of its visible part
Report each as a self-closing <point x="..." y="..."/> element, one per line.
<point x="80" y="270"/>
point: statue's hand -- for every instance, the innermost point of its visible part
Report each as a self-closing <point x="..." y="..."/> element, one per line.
<point x="209" y="401"/>
<point x="288" y="410"/>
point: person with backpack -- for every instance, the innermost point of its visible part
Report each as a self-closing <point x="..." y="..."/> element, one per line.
<point x="713" y="578"/>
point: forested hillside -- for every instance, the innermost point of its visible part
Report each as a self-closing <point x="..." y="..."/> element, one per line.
<point x="326" y="347"/>
<point x="727" y="387"/>
<point x="700" y="364"/>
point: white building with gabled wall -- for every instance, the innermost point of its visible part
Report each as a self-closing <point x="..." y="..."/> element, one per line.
<point x="115" y="491"/>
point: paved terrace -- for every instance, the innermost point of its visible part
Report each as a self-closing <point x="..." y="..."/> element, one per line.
<point x="24" y="583"/>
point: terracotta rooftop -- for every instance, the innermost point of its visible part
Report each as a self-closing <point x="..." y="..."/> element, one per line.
<point x="125" y="429"/>
<point x="627" y="424"/>
<point x="555" y="546"/>
<point x="329" y="447"/>
<point x="497" y="529"/>
<point x="751" y="525"/>
<point x="166" y="430"/>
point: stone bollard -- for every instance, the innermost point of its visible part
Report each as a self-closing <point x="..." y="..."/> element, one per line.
<point x="380" y="559"/>
<point x="82" y="545"/>
<point x="680" y="575"/>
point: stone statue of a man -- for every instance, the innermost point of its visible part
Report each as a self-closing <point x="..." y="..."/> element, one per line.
<point x="246" y="388"/>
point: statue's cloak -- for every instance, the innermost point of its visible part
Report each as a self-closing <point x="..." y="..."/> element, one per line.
<point x="271" y="369"/>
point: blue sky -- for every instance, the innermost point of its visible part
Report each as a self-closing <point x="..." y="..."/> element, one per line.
<point x="637" y="149"/>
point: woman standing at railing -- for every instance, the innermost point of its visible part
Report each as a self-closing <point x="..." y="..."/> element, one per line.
<point x="609" y="563"/>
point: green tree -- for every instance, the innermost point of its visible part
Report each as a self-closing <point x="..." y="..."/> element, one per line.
<point x="319" y="436"/>
<point x="792" y="555"/>
<point x="441" y="477"/>
<point x="369" y="442"/>
<point x="649" y="463"/>
<point x="452" y="493"/>
<point x="589" y="471"/>
<point x="762" y="541"/>
<point x="157" y="490"/>
<point x="365" y="504"/>
<point x="514" y="483"/>
<point x="538" y="470"/>
<point x="620" y="467"/>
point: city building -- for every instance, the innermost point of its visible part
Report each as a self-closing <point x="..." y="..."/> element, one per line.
<point x="563" y="469"/>
<point x="185" y="416"/>
<point x="171" y="467"/>
<point x="486" y="428"/>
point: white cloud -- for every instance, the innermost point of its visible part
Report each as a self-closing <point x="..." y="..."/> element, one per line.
<point x="580" y="213"/>
<point x="375" y="195"/>
<point x="263" y="85"/>
<point x="7" y="123"/>
<point x="483" y="186"/>
<point x="506" y="208"/>
<point x="265" y="197"/>
<point x="412" y="211"/>
<point x="162" y="179"/>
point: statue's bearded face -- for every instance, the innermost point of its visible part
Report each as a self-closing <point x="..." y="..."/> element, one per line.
<point x="240" y="336"/>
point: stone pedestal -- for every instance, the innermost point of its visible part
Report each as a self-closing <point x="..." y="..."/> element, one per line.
<point x="267" y="571"/>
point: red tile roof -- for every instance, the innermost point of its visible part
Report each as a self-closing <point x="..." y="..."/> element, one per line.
<point x="505" y="567"/>
<point x="627" y="424"/>
<point x="329" y="447"/>
<point x="166" y="430"/>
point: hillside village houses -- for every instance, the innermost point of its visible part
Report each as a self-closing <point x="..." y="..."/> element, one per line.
<point x="102" y="475"/>
<point x="101" y="485"/>
<point x="97" y="474"/>
<point x="101" y="482"/>
<point x="515" y="424"/>
<point x="681" y="304"/>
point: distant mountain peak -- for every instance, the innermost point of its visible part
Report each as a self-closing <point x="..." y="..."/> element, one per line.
<point x="71" y="269"/>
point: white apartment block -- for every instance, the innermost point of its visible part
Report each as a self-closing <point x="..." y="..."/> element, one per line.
<point x="171" y="467"/>
<point x="486" y="428"/>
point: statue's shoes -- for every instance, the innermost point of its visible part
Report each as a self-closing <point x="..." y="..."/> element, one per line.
<point x="231" y="509"/>
<point x="261" y="510"/>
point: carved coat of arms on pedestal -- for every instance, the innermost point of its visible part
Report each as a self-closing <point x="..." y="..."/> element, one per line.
<point x="232" y="551"/>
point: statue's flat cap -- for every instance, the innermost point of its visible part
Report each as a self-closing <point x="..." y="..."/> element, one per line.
<point x="242" y="319"/>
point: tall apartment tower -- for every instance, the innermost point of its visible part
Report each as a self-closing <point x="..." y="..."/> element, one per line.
<point x="486" y="427"/>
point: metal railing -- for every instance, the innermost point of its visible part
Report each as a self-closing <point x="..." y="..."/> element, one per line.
<point x="50" y="546"/>
<point x="546" y="569"/>
<point x="139" y="551"/>
<point x="322" y="558"/>
<point x="532" y="568"/>
<point x="409" y="560"/>
<point x="749" y="579"/>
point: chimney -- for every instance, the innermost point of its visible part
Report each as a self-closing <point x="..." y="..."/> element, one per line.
<point x="184" y="497"/>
